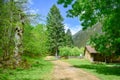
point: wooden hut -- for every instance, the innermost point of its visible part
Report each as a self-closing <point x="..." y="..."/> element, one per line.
<point x="91" y="54"/>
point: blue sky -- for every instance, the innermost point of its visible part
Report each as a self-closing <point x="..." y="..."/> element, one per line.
<point x="42" y="7"/>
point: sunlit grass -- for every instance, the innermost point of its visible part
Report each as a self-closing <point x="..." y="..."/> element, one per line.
<point x="101" y="70"/>
<point x="39" y="70"/>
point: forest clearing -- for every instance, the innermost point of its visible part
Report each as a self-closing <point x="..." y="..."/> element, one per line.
<point x="60" y="40"/>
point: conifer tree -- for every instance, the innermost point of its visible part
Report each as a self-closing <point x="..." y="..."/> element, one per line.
<point x="55" y="28"/>
<point x="69" y="40"/>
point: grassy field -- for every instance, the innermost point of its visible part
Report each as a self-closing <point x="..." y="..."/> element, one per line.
<point x="39" y="70"/>
<point x="102" y="71"/>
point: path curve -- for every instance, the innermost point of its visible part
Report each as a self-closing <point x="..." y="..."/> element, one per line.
<point x="65" y="71"/>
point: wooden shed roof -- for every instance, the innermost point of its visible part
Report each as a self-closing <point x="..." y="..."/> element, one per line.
<point x="90" y="49"/>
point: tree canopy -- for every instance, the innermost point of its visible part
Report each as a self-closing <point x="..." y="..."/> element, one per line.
<point x="11" y="15"/>
<point x="91" y="11"/>
<point x="106" y="12"/>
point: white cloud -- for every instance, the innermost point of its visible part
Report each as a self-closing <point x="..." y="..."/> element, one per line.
<point x="34" y="11"/>
<point x="74" y="29"/>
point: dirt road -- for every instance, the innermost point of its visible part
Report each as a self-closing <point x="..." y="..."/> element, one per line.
<point x="64" y="71"/>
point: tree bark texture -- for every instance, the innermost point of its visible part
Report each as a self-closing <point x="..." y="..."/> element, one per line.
<point x="18" y="45"/>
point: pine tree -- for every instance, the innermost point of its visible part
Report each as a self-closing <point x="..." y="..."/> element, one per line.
<point x="55" y="28"/>
<point x="69" y="40"/>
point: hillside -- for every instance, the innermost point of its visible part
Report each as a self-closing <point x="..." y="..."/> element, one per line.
<point x="81" y="38"/>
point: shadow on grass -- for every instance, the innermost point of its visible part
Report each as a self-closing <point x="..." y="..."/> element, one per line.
<point x="101" y="69"/>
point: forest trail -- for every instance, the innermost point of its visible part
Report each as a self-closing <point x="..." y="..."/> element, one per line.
<point x="65" y="71"/>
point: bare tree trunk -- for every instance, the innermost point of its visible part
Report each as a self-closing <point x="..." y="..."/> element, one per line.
<point x="105" y="59"/>
<point x="56" y="54"/>
<point x="18" y="45"/>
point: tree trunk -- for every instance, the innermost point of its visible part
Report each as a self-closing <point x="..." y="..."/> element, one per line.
<point x="18" y="45"/>
<point x="105" y="59"/>
<point x="56" y="54"/>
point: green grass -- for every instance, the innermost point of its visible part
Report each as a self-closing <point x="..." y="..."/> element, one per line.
<point x="39" y="70"/>
<point x="102" y="71"/>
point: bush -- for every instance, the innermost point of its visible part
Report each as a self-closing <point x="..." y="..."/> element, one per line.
<point x="35" y="41"/>
<point x="75" y="51"/>
<point x="82" y="50"/>
<point x="67" y="51"/>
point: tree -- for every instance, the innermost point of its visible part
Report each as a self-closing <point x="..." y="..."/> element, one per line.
<point x="7" y="28"/>
<point x="1" y="23"/>
<point x="55" y="30"/>
<point x="35" y="40"/>
<point x="19" y="21"/>
<point x="105" y="12"/>
<point x="11" y="24"/>
<point x="68" y="37"/>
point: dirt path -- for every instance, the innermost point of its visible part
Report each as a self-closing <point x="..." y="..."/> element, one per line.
<point x="64" y="71"/>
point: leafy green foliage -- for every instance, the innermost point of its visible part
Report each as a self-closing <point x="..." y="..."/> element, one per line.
<point x="108" y="43"/>
<point x="11" y="14"/>
<point x="91" y="11"/>
<point x="99" y="42"/>
<point x="107" y="12"/>
<point x="6" y="28"/>
<point x="68" y="51"/>
<point x="67" y="2"/>
<point x="76" y="51"/>
<point x="55" y="29"/>
<point x="35" y="40"/>
<point x="65" y="51"/>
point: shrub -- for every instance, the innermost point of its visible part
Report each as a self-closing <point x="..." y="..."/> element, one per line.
<point x="65" y="51"/>
<point x="75" y="51"/>
<point x="82" y="50"/>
